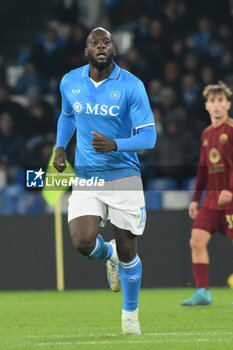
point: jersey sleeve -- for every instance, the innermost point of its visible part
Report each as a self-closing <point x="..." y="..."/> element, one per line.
<point x="230" y="161"/>
<point x="66" y="107"/>
<point x="140" y="110"/>
<point x="202" y="175"/>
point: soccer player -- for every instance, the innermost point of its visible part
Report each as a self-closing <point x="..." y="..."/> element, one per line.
<point x="215" y="171"/>
<point x="104" y="104"/>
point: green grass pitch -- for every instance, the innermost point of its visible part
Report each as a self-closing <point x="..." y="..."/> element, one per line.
<point x="91" y="320"/>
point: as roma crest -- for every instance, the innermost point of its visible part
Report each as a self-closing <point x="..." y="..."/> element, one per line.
<point x="223" y="138"/>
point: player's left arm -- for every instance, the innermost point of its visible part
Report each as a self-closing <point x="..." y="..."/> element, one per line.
<point x="142" y="119"/>
<point x="144" y="139"/>
<point x="226" y="195"/>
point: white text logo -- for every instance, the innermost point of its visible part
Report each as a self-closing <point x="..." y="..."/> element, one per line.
<point x="102" y="110"/>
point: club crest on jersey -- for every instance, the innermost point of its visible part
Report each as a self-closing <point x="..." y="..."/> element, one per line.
<point x="115" y="95"/>
<point x="214" y="155"/>
<point x="78" y="107"/>
<point x="223" y="138"/>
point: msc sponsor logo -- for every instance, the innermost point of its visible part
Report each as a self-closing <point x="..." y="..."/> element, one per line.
<point x="96" y="109"/>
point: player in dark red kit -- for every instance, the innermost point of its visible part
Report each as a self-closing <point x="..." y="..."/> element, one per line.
<point x="215" y="174"/>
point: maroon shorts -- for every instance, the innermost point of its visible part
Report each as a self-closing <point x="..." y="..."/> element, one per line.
<point x="212" y="220"/>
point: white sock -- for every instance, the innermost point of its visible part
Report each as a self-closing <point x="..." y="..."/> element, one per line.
<point x="114" y="258"/>
<point x="129" y="314"/>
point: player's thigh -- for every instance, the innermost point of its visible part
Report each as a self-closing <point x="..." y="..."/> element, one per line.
<point x="85" y="213"/>
<point x="84" y="229"/>
<point x="228" y="223"/>
<point x="199" y="238"/>
<point x="126" y="208"/>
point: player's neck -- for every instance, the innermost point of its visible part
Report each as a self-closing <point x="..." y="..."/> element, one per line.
<point x="99" y="75"/>
<point x="218" y="122"/>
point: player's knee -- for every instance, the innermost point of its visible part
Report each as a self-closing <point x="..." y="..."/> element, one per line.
<point x="84" y="243"/>
<point x="197" y="244"/>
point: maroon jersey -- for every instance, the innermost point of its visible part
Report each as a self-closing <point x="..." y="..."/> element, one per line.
<point x="215" y="169"/>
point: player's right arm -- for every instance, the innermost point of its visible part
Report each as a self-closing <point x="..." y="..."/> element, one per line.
<point x="65" y="129"/>
<point x="201" y="181"/>
<point x="226" y="195"/>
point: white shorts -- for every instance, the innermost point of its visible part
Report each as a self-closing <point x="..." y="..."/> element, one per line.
<point x="121" y="201"/>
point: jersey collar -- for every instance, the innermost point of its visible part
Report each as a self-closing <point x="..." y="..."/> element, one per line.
<point x="114" y="75"/>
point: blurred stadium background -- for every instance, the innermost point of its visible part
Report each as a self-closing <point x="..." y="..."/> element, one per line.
<point x="175" y="47"/>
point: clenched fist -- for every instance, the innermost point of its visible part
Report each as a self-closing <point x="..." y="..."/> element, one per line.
<point x="59" y="161"/>
<point x="103" y="144"/>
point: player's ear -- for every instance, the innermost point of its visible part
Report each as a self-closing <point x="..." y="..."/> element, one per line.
<point x="86" y="52"/>
<point x="114" y="51"/>
<point x="228" y="105"/>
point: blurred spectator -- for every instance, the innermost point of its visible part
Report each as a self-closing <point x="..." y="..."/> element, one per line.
<point x="2" y="70"/>
<point x="168" y="102"/>
<point x="207" y="75"/>
<point x="14" y="108"/>
<point x="225" y="35"/>
<point x="154" y="89"/>
<point x="12" y="145"/>
<point x="123" y="62"/>
<point x="30" y="83"/>
<point x="226" y="62"/>
<point x="215" y="47"/>
<point x="48" y="54"/>
<point x="93" y="14"/>
<point x="174" y="17"/>
<point x="126" y="13"/>
<point x="191" y="64"/>
<point x="177" y="50"/>
<point x="45" y="152"/>
<point x="190" y="91"/>
<point x="158" y="116"/>
<point x="177" y="150"/>
<point x="141" y="32"/>
<point x="39" y="120"/>
<point x="39" y="150"/>
<point x="138" y="65"/>
<point x="171" y="74"/>
<point x="64" y="11"/>
<point x="155" y="51"/>
<point x="75" y="47"/>
<point x="202" y="37"/>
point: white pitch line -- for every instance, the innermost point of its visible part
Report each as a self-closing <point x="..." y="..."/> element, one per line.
<point x="106" y="342"/>
<point x="193" y="333"/>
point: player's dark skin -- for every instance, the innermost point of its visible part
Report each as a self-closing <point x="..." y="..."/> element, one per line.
<point x="100" y="52"/>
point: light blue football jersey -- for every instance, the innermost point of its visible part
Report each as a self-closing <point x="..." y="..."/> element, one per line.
<point x="116" y="108"/>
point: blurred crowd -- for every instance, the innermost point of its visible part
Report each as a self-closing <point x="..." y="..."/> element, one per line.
<point x="177" y="47"/>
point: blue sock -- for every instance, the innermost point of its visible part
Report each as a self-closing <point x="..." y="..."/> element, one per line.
<point x="102" y="250"/>
<point x="130" y="275"/>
